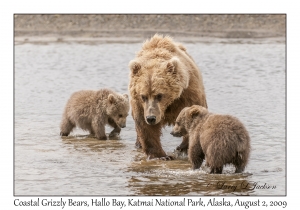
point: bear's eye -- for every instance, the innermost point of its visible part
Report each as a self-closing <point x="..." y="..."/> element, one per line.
<point x="144" y="98"/>
<point x="120" y="115"/>
<point x="158" y="97"/>
<point x="177" y="123"/>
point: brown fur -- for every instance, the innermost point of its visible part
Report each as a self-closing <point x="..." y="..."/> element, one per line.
<point x="163" y="80"/>
<point x="92" y="110"/>
<point x="221" y="139"/>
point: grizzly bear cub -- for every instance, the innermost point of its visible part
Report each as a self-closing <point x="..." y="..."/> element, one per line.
<point x="220" y="139"/>
<point x="92" y="110"/>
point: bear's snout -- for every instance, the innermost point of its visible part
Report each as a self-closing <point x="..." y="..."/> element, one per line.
<point x="151" y="120"/>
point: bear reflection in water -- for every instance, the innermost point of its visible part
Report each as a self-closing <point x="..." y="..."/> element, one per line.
<point x="220" y="139"/>
<point x="92" y="110"/>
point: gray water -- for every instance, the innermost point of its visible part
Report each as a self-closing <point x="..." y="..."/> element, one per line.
<point x="244" y="79"/>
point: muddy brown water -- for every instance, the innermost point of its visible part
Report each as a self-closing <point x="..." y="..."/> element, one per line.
<point x="245" y="79"/>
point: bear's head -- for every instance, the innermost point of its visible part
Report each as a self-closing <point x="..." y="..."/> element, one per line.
<point x="118" y="108"/>
<point x="187" y="119"/>
<point x="155" y="84"/>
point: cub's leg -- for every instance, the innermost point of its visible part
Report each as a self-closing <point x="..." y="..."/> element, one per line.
<point x="66" y="126"/>
<point x="116" y="131"/>
<point x="99" y="127"/>
<point x="183" y="147"/>
<point x="92" y="132"/>
<point x="214" y="159"/>
<point x="239" y="162"/>
<point x="195" y="153"/>
<point x="216" y="170"/>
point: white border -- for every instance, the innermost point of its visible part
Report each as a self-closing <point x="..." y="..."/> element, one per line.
<point x="154" y="6"/>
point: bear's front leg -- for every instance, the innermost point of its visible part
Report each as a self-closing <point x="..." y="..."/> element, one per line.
<point x="183" y="147"/>
<point x="99" y="128"/>
<point x="149" y="137"/>
<point x="138" y="144"/>
<point x="116" y="131"/>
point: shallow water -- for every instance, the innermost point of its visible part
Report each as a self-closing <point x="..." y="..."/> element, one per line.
<point x="245" y="79"/>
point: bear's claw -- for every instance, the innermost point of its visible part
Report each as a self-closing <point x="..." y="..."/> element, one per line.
<point x="102" y="138"/>
<point x="63" y="134"/>
<point x="167" y="158"/>
<point x="138" y="145"/>
<point x="114" y="134"/>
<point x="181" y="148"/>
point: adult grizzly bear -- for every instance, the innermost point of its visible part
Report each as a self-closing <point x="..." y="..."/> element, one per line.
<point x="163" y="80"/>
<point x="92" y="110"/>
<point x="220" y="139"/>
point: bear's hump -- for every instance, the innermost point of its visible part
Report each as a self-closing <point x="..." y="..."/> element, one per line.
<point x="159" y="41"/>
<point x="158" y="46"/>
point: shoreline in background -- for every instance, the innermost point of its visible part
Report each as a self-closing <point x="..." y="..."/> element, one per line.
<point x="107" y="40"/>
<point x="136" y="28"/>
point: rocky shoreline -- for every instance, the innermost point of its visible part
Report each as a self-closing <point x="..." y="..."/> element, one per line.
<point x="137" y="27"/>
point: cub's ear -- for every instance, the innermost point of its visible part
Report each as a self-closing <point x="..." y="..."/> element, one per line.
<point x="172" y="65"/>
<point x="111" y="99"/>
<point x="134" y="66"/>
<point x="194" y="112"/>
<point x="125" y="96"/>
<point x="197" y="110"/>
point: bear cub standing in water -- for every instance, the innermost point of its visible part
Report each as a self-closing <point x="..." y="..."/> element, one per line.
<point x="92" y="110"/>
<point x="220" y="139"/>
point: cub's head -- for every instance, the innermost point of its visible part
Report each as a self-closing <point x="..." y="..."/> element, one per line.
<point x="118" y="108"/>
<point x="155" y="84"/>
<point x="188" y="117"/>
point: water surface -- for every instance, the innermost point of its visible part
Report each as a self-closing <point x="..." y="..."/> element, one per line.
<point x="245" y="79"/>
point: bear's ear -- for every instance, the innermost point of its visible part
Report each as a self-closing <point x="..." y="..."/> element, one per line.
<point x="134" y="66"/>
<point x="111" y="99"/>
<point x="125" y="96"/>
<point x="197" y="110"/>
<point x="194" y="112"/>
<point x="172" y="65"/>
